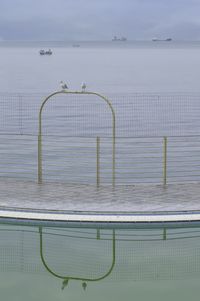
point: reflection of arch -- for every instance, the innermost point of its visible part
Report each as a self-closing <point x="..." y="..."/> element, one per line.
<point x="67" y="278"/>
<point x="40" y="129"/>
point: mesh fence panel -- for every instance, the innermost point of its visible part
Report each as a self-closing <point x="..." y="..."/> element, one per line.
<point x="72" y="123"/>
<point x="137" y="115"/>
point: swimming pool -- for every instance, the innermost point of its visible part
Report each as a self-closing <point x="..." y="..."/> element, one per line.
<point x="93" y="262"/>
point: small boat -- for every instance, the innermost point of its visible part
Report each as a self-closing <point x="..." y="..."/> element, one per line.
<point x="116" y="39"/>
<point x="75" y="45"/>
<point x="42" y="52"/>
<point x="47" y="52"/>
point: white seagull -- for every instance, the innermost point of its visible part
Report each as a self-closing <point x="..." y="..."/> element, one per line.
<point x="83" y="86"/>
<point x="63" y="85"/>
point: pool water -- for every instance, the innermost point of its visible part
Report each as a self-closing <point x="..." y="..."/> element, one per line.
<point x="107" y="263"/>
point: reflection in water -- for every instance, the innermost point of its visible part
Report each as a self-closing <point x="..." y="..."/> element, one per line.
<point x="103" y="263"/>
<point x="67" y="278"/>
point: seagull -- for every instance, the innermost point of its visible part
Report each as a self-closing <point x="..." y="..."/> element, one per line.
<point x="83" y="86"/>
<point x="63" y="85"/>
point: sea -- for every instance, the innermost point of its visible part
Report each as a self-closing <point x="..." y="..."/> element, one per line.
<point x="117" y="67"/>
<point x="152" y="86"/>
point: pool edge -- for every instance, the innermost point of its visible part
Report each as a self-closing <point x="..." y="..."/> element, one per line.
<point x="28" y="216"/>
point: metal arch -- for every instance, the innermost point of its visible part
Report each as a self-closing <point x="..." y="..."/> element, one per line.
<point x="78" y="278"/>
<point x="40" y="129"/>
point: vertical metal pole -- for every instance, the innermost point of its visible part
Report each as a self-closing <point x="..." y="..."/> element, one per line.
<point x="39" y="159"/>
<point x="98" y="161"/>
<point x="165" y="160"/>
<point x="40" y="144"/>
<point x="114" y="150"/>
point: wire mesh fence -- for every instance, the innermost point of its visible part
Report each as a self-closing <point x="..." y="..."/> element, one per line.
<point x="157" y="138"/>
<point x="137" y="115"/>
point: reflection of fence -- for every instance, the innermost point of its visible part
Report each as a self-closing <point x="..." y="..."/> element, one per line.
<point x="157" y="138"/>
<point x="67" y="276"/>
<point x="141" y="254"/>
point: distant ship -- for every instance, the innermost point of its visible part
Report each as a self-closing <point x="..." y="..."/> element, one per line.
<point x="48" y="52"/>
<point x="160" y="40"/>
<point x="116" y="39"/>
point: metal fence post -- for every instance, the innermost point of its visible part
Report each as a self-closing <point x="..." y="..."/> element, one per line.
<point x="165" y="160"/>
<point x="98" y="161"/>
<point x="39" y="159"/>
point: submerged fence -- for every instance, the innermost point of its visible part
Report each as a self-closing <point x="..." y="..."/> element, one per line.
<point x="157" y="138"/>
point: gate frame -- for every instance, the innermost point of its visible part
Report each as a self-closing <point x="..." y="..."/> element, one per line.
<point x="75" y="93"/>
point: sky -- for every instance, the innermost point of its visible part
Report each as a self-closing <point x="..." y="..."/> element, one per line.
<point x="63" y="20"/>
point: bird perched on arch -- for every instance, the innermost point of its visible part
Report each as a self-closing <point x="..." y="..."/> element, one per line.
<point x="83" y="87"/>
<point x="63" y="86"/>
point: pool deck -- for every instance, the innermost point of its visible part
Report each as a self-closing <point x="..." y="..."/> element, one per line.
<point x="86" y="203"/>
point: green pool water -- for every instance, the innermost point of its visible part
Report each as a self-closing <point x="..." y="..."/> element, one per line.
<point x="70" y="263"/>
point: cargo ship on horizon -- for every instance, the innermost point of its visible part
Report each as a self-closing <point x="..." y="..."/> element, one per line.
<point x="162" y="40"/>
<point x="116" y="39"/>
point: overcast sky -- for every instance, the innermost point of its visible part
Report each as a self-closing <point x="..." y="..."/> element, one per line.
<point x="99" y="19"/>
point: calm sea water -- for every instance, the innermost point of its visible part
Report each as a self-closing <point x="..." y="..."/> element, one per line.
<point x="105" y="67"/>
<point x="154" y="89"/>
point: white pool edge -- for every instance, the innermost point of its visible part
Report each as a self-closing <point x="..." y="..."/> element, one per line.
<point x="100" y="217"/>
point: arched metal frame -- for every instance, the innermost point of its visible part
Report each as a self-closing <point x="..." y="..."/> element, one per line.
<point x="72" y="277"/>
<point x="40" y="129"/>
